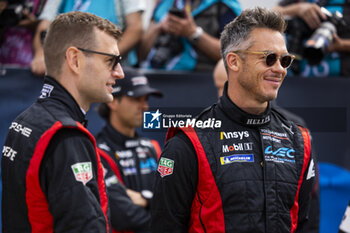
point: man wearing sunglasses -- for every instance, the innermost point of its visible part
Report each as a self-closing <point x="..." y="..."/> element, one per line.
<point x="51" y="172"/>
<point x="255" y="172"/>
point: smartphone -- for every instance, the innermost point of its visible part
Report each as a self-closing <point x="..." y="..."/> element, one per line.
<point x="177" y="12"/>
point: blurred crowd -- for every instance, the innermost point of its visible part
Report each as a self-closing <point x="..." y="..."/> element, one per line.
<point x="180" y="35"/>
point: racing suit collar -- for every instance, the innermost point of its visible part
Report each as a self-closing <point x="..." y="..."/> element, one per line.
<point x="240" y="116"/>
<point x="53" y="90"/>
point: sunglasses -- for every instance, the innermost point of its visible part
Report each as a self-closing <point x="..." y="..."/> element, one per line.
<point x="116" y="58"/>
<point x="271" y="58"/>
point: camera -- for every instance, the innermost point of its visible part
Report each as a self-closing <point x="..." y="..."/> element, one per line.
<point x="317" y="43"/>
<point x="316" y="46"/>
<point x="167" y="46"/>
<point x="13" y="13"/>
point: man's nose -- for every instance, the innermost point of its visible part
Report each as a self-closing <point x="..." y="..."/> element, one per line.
<point x="277" y="67"/>
<point x="118" y="73"/>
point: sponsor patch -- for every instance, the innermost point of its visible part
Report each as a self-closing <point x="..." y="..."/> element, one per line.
<point x="142" y="152"/>
<point x="147" y="166"/>
<point x="235" y="134"/>
<point x="165" y="167"/>
<point x="9" y="152"/>
<point x="236" y="158"/>
<point x="258" y="121"/>
<point x="82" y="172"/>
<point x="131" y="143"/>
<point x="237" y="147"/>
<point x="280" y="155"/>
<point x="111" y="180"/>
<point x="123" y="154"/>
<point x="311" y="171"/>
<point x="127" y="162"/>
<point x="104" y="146"/>
<point x="129" y="171"/>
<point x="270" y="138"/>
<point x="273" y="135"/>
<point x="288" y="128"/>
<point x="46" y="91"/>
<point x="25" y="131"/>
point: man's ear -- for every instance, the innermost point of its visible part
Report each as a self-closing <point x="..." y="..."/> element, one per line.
<point x="73" y="58"/>
<point x="233" y="62"/>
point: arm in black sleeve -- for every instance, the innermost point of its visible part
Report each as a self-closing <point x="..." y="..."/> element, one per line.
<point x="73" y="202"/>
<point x="125" y="215"/>
<point x="309" y="203"/>
<point x="174" y="193"/>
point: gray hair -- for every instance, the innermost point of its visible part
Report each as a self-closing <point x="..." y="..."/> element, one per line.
<point x="235" y="35"/>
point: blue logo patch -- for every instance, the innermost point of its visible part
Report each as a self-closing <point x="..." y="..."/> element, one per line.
<point x="150" y="164"/>
<point x="236" y="158"/>
<point x="281" y="155"/>
<point x="281" y="152"/>
<point x="151" y="120"/>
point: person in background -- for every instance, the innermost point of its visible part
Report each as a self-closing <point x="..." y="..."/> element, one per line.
<point x="184" y="34"/>
<point x="51" y="171"/>
<point x="129" y="159"/>
<point x="127" y="14"/>
<point x="306" y="18"/>
<point x="234" y="177"/>
<point x="219" y="77"/>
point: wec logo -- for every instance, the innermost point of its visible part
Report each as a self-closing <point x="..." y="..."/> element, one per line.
<point x="281" y="152"/>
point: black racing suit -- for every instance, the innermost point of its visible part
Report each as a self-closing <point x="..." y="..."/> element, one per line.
<point x="253" y="173"/>
<point x="135" y="159"/>
<point x="52" y="176"/>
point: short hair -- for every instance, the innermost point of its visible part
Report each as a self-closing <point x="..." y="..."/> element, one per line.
<point x="73" y="29"/>
<point x="235" y="35"/>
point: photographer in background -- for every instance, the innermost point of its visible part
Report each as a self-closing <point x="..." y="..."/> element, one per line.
<point x="183" y="34"/>
<point x="307" y="24"/>
<point x="20" y="33"/>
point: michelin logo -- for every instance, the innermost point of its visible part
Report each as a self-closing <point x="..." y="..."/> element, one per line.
<point x="237" y="158"/>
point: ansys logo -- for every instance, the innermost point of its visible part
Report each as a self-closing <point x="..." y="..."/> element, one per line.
<point x="151" y="120"/>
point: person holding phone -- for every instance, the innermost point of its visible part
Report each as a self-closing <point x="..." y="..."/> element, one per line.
<point x="184" y="35"/>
